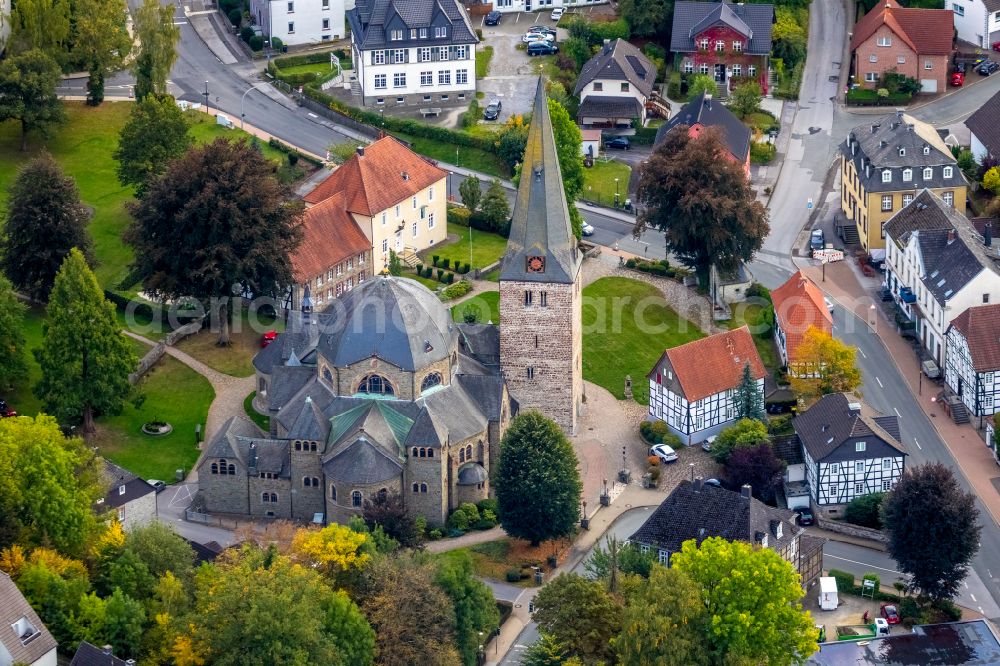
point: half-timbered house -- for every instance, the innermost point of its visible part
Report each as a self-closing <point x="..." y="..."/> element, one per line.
<point x="849" y="451"/>
<point x="972" y="360"/>
<point x="692" y="386"/>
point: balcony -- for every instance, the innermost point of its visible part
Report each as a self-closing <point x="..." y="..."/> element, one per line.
<point x="907" y="295"/>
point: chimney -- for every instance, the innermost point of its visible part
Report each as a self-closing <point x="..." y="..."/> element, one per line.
<point x="106" y="649"/>
<point x="988" y="234"/>
<point x="405" y="175"/>
<point x="951" y="236"/>
<point x="607" y="45"/>
<point x="854" y="407"/>
<point x="361" y="151"/>
<point x="697" y="484"/>
<point x="745" y="491"/>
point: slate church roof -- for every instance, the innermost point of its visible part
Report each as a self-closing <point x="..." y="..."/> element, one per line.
<point x="540" y="225"/>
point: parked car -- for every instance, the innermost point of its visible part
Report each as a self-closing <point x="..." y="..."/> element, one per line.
<point x="996" y="46"/>
<point x="557" y="13"/>
<point x="618" y="143"/>
<point x="529" y="37"/>
<point x="817" y="239"/>
<point x="957" y="79"/>
<point x="707" y="444"/>
<point x="988" y="67"/>
<point x="890" y="613"/>
<point x="5" y="410"/>
<point x="267" y="338"/>
<point x="587" y="229"/>
<point x="960" y="67"/>
<point x="542" y="48"/>
<point x="545" y="29"/>
<point x="806" y="517"/>
<point x="492" y="110"/>
<point x="158" y="485"/>
<point x="493" y="18"/>
<point x="665" y="453"/>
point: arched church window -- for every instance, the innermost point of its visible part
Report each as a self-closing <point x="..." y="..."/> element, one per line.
<point x="356" y="498"/>
<point x="430" y="381"/>
<point x="333" y="493"/>
<point x="376" y="384"/>
<point x="461" y="455"/>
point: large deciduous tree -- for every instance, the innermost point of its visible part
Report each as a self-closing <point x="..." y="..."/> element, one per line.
<point x="155" y="133"/>
<point x="217" y="223"/>
<point x="753" y="613"/>
<point x="702" y="200"/>
<point x="158" y="36"/>
<point x="45" y="220"/>
<point x="40" y="24"/>
<point x="647" y="18"/>
<point x="161" y="549"/>
<point x="756" y="466"/>
<point x="933" y="529"/>
<point x="580" y="614"/>
<point x="389" y="511"/>
<point x="823" y="365"/>
<point x="101" y="42"/>
<point x="28" y="93"/>
<point x="537" y="481"/>
<point x="85" y="358"/>
<point x="568" y="147"/>
<point x="476" y="614"/>
<point x="49" y="499"/>
<point x="13" y="364"/>
<point x="662" y="622"/>
<point x="745" y="432"/>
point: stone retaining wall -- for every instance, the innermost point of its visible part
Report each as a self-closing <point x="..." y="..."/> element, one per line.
<point x="157" y="352"/>
<point x="856" y="531"/>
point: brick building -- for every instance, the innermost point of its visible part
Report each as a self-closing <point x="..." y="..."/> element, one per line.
<point x="541" y="345"/>
<point x="730" y="42"/>
<point x="914" y="42"/>
<point x="702" y="113"/>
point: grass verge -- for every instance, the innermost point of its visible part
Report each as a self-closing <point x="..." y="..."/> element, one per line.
<point x="262" y="421"/>
<point x="627" y="324"/>
<point x="483" y="57"/>
<point x="237" y="359"/>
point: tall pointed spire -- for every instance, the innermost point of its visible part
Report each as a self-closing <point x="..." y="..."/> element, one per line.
<point x="541" y="247"/>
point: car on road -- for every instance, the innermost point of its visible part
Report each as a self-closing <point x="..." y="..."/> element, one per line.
<point x="890" y="613"/>
<point x="817" y="239"/>
<point x="988" y="67"/>
<point x="587" y="229"/>
<point x="957" y="79"/>
<point x="5" y="410"/>
<point x="665" y="453"/>
<point x="557" y="13"/>
<point x="529" y="37"/>
<point x="158" y="485"/>
<point x="493" y="18"/>
<point x="617" y="143"/>
<point x="806" y="517"/>
<point x="492" y="110"/>
<point x="542" y="48"/>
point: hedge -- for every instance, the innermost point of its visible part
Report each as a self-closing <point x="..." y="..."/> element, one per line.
<point x="459" y="216"/>
<point x="151" y="311"/>
<point x="454" y="291"/>
<point x="845" y="585"/>
<point x="869" y="97"/>
<point x="285" y="148"/>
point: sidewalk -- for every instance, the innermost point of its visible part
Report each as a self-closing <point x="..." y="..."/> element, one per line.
<point x="971" y="454"/>
<point x="631" y="498"/>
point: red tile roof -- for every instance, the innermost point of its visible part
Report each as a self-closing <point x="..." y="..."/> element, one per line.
<point x="799" y="304"/>
<point x="714" y="364"/>
<point x="388" y="172"/>
<point x="980" y="326"/>
<point x="926" y="31"/>
<point x="330" y="235"/>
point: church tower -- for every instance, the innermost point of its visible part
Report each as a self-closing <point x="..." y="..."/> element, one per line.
<point x="540" y="323"/>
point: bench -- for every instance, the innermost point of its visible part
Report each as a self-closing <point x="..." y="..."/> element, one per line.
<point x="430" y="112"/>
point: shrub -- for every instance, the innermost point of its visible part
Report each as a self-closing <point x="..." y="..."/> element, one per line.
<point x="513" y="575"/>
<point x="948" y="610"/>
<point x="873" y="577"/>
<point x="434" y="534"/>
<point x="256" y="43"/>
<point x="630" y="263"/>
<point x="452" y="533"/>
<point x="456" y="290"/>
<point x="458" y="521"/>
<point x="488" y="504"/>
<point x="654" y="474"/>
<point x="459" y="216"/>
<point x="428" y="272"/>
<point x="246" y="32"/>
<point x="653" y="461"/>
<point x="910" y="612"/>
<point x="276" y="43"/>
<point x="446" y="263"/>
<point x="293" y="158"/>
<point x="440" y="274"/>
<point x="435" y="258"/>
<point x="419" y="269"/>
<point x="466" y="268"/>
<point x="845" y="580"/>
<point x="449" y="278"/>
<point x="762" y="153"/>
<point x="780" y="424"/>
<point x="757" y="290"/>
<point x="236" y="17"/>
<point x="865" y="510"/>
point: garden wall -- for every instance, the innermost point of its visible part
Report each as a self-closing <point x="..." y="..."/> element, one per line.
<point x="852" y="530"/>
<point x="157" y="352"/>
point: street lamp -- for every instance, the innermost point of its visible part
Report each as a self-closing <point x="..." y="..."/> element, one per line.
<point x="207" y="99"/>
<point x="242" y="99"/>
<point x="616" y="193"/>
<point x="874" y="322"/>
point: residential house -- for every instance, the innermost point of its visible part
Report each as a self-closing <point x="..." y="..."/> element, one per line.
<point x="24" y="640"/>
<point x="849" y="451"/>
<point x="697" y="511"/>
<point x="91" y="655"/>
<point x="335" y="254"/>
<point x="788" y="449"/>
<point x="884" y="164"/>
<point x="966" y="643"/>
<point x="912" y="41"/>
<point x="413" y="52"/>
<point x="985" y="129"/>
<point x="972" y="358"/>
<point x="300" y="22"/>
<point x="730" y="42"/>
<point x="703" y="112"/>
<point x="691" y="387"/>
<point x="396" y="197"/>
<point x="798" y="305"/>
<point x="614" y="85"/>
<point x="129" y="499"/>
<point x="937" y="266"/>
<point x="977" y="21"/>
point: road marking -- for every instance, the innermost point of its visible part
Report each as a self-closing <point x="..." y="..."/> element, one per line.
<point x="973" y="597"/>
<point x="862" y="352"/>
<point x="866" y="564"/>
<point x="879" y="382"/>
<point x="180" y="22"/>
<point x="897" y="412"/>
<point x="918" y="444"/>
<point x="313" y="115"/>
<point x="966" y="585"/>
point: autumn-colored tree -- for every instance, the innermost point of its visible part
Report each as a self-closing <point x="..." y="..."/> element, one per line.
<point x="333" y="550"/>
<point x="823" y="365"/>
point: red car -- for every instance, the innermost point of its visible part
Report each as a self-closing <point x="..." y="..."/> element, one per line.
<point x="996" y="46"/>
<point x="268" y="338"/>
<point x="5" y="410"/>
<point x="890" y="613"/>
<point x="957" y="79"/>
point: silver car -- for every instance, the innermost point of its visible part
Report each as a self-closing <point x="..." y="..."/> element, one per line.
<point x="665" y="453"/>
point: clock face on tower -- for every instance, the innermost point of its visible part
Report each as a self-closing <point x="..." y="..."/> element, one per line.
<point x="536" y="264"/>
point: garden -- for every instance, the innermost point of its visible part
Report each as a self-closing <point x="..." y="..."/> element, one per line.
<point x="604" y="179"/>
<point x="513" y="560"/>
<point x="480" y="309"/>
<point x="466" y="246"/>
<point x="627" y="325"/>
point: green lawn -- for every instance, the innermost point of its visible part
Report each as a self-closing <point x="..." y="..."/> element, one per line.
<point x="483" y="57"/>
<point x="626" y="327"/>
<point x="486" y="306"/>
<point x="262" y="421"/>
<point x="599" y="181"/>
<point x="430" y="283"/>
<point x="762" y="121"/>
<point x="752" y="314"/>
<point x="236" y="359"/>
<point x="486" y="248"/>
<point x="463" y="156"/>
